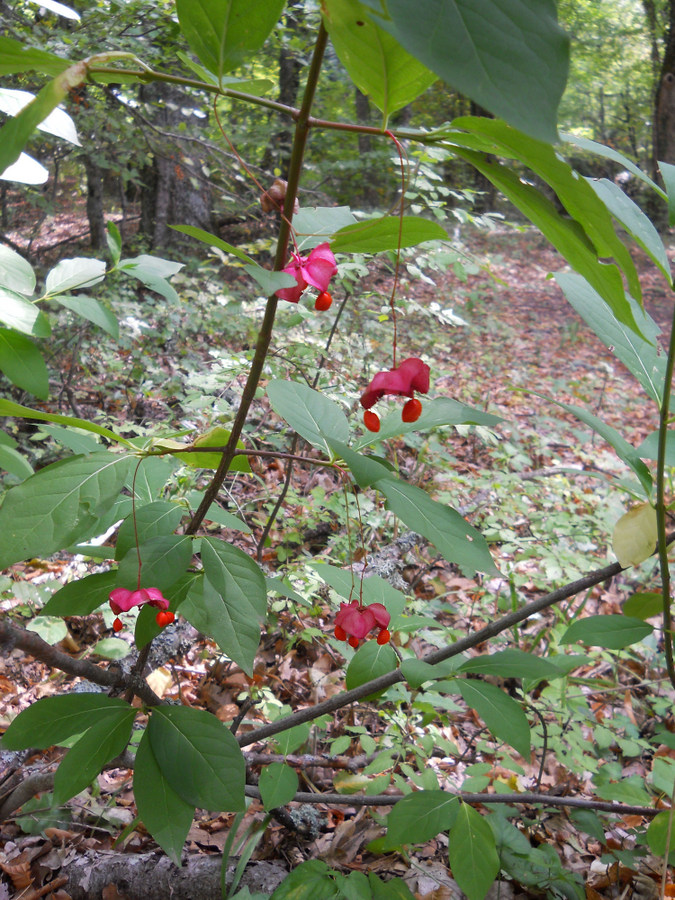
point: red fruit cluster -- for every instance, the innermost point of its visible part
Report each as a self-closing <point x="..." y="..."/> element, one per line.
<point x="412" y="375"/>
<point x="354" y="621"/>
<point x="122" y="600"/>
<point x="164" y="617"/>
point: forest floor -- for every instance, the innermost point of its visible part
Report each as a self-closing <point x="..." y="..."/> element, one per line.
<point x="521" y="336"/>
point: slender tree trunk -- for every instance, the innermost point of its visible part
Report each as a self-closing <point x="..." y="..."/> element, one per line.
<point x="664" y="104"/>
<point x="278" y="151"/>
<point x="95" y="202"/>
<point x="175" y="189"/>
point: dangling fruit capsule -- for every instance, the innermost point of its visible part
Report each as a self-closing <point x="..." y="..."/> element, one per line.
<point x="412" y="410"/>
<point x="323" y="302"/>
<point x="117" y="625"/>
<point x="371" y="420"/>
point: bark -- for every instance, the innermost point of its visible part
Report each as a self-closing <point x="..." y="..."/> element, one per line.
<point x="152" y="876"/>
<point x="362" y="105"/>
<point x="175" y="189"/>
<point x="664" y="104"/>
<point x="95" y="215"/>
<point x="486" y="197"/>
<point x="277" y="154"/>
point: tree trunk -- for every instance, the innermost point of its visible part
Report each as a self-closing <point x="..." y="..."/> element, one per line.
<point x="664" y="104"/>
<point x="95" y="215"/>
<point x="278" y="151"/>
<point x="152" y="876"/>
<point x="175" y="190"/>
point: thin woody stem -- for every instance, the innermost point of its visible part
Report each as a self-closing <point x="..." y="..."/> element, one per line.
<point x="265" y="334"/>
<point x="664" y="417"/>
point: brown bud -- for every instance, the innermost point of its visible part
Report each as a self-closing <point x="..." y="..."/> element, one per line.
<point x="273" y="199"/>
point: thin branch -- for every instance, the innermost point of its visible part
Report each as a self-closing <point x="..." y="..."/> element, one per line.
<point x="617" y="809"/>
<point x="265" y="333"/>
<point x="11" y="636"/>
<point x="466" y="643"/>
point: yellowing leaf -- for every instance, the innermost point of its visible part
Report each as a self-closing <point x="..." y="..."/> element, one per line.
<point x="634" y="538"/>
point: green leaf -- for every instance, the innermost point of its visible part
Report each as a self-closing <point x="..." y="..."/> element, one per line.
<point x="313" y="416"/>
<point x="290" y="740"/>
<point x="473" y="855"/>
<point x="511" y="663"/>
<point x="164" y="559"/>
<point x="394" y="889"/>
<point x="416" y="671"/>
<point x="105" y="740"/>
<point x="639" y="354"/>
<point x="452" y="535"/>
<point x="230" y="603"/>
<point x="611" y="632"/>
<point x="435" y="413"/>
<point x="52" y="720"/>
<point x="8" y="408"/>
<point x="92" y="310"/>
<point x="635" y="535"/>
<point x="149" y="480"/>
<point x="213" y="241"/>
<point x="199" y="757"/>
<point x="278" y="785"/>
<point x="70" y="274"/>
<point x="16" y="273"/>
<point x="166" y="815"/>
<point x="566" y="235"/>
<point x="575" y="193"/>
<point x="316" y="224"/>
<point x="657" y="833"/>
<point x="16" y="57"/>
<point x="610" y="153"/>
<point x="111" y="648"/>
<point x="625" y="451"/>
<point x="58" y="122"/>
<point x="215" y="437"/>
<point x="365" y="469"/>
<point x="374" y="59"/>
<point x="72" y="438"/>
<point x="668" y="174"/>
<point x="12" y="461"/>
<point x="114" y="241"/>
<point x="22" y="363"/>
<point x="511" y="58"/>
<point x="152" y="271"/>
<point x="634" y="221"/>
<point x="269" y="282"/>
<point x="18" y="312"/>
<point x="503" y="716"/>
<point x="15" y="133"/>
<point x="223" y="34"/>
<point x="419" y="817"/>
<point x="151" y="521"/>
<point x="643" y="605"/>
<point x="309" y="881"/>
<point x="370" y="661"/>
<point x="59" y="505"/>
<point x="51" y="630"/>
<point x="649" y="448"/>
<point x="377" y="235"/>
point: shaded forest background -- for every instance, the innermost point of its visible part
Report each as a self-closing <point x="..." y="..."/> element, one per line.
<point x="152" y="155"/>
